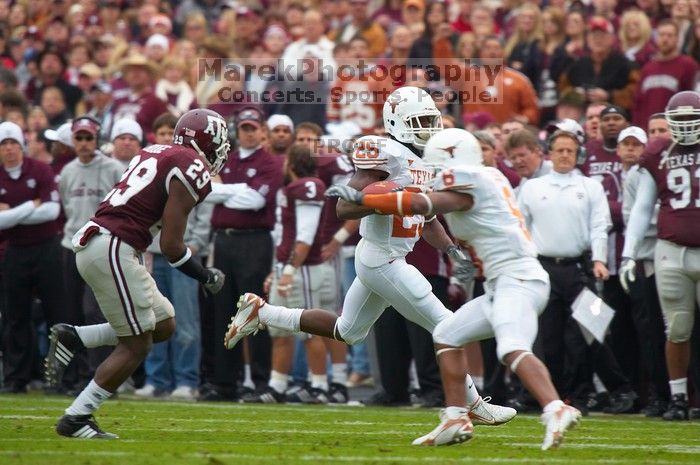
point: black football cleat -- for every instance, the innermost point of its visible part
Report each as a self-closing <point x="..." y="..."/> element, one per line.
<point x="64" y="343"/>
<point x="677" y="408"/>
<point x="82" y="427"/>
<point x="267" y="395"/>
<point x="338" y="394"/>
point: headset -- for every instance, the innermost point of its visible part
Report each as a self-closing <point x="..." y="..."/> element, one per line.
<point x="573" y="128"/>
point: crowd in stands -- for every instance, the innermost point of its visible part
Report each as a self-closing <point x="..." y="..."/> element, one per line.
<point x="89" y="79"/>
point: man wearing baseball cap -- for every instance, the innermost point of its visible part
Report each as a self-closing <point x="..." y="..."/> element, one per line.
<point x="602" y="163"/>
<point x="28" y="211"/>
<point x="646" y="309"/>
<point x="280" y="134"/>
<point x="604" y="74"/>
<point x="126" y="137"/>
<point x="242" y="221"/>
<point x="83" y="183"/>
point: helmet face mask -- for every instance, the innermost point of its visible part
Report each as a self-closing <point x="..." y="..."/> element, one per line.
<point x="683" y="116"/>
<point x="411" y="117"/>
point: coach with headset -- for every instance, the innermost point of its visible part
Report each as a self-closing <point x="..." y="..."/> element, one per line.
<point x="569" y="218"/>
<point x="28" y="211"/>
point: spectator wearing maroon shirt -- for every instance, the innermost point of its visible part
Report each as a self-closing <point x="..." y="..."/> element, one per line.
<point x="666" y="74"/>
<point x="138" y="101"/>
<point x="242" y="221"/>
<point x="28" y="210"/>
<point x="52" y="66"/>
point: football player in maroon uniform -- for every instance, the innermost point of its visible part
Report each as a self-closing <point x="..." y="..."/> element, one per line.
<point x="670" y="172"/>
<point x="158" y="190"/>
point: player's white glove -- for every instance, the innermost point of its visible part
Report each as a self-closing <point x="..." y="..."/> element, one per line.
<point x="627" y="273"/>
<point x="346" y="193"/>
<point x="464" y="269"/>
<point x="215" y="281"/>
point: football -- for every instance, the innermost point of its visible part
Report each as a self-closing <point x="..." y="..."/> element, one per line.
<point x="381" y="187"/>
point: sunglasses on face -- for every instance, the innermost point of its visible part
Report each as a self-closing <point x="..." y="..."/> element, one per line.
<point x="84" y="138"/>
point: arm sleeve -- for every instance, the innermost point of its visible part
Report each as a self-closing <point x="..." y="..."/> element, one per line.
<point x="246" y="199"/>
<point x="641" y="214"/>
<point x="12" y="217"/>
<point x="629" y="193"/>
<point x="199" y="227"/>
<point x="220" y="193"/>
<point x="599" y="222"/>
<point x="47" y="211"/>
<point x="308" y="216"/>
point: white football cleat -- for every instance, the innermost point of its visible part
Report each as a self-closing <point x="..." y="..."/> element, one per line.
<point x="483" y="413"/>
<point x="455" y="427"/>
<point x="557" y="423"/>
<point x="245" y="322"/>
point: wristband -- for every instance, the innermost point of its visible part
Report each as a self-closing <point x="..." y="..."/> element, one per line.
<point x="192" y="267"/>
<point x="288" y="269"/>
<point x="341" y="236"/>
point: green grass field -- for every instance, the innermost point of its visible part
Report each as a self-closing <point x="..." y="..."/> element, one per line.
<point x="168" y="433"/>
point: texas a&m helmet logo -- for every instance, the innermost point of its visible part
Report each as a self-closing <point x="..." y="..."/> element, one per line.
<point x="216" y="127"/>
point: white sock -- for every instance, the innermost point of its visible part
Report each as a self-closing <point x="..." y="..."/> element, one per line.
<point x="553" y="406"/>
<point x="278" y="381"/>
<point x="97" y="335"/>
<point x="598" y="384"/>
<point x="248" y="377"/>
<point x="319" y="381"/>
<point x="281" y="317"/>
<point x="472" y="393"/>
<point x="679" y="386"/>
<point x="478" y="381"/>
<point x="453" y="412"/>
<point x="340" y="373"/>
<point x="89" y="400"/>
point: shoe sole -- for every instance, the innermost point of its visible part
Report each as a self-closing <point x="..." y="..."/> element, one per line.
<point x="558" y="437"/>
<point x="234" y="334"/>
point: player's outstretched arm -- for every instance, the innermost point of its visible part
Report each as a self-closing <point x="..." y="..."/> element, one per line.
<point x="405" y="203"/>
<point x="361" y="179"/>
<point x="177" y="208"/>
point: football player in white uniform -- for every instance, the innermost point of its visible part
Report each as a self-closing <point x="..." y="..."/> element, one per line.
<point x="383" y="276"/>
<point x="480" y="208"/>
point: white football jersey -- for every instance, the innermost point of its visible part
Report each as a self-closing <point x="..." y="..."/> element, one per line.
<point x="493" y="227"/>
<point x="388" y="237"/>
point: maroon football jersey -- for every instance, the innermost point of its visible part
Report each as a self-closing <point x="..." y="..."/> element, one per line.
<point x="133" y="209"/>
<point x="36" y="181"/>
<point x="304" y="190"/>
<point x="605" y="166"/>
<point x="332" y="169"/>
<point x="677" y="176"/>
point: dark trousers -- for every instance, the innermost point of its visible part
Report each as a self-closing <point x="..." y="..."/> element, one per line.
<point x="560" y="343"/>
<point x="26" y="270"/>
<point x="83" y="308"/>
<point x="246" y="259"/>
<point x="399" y="341"/>
<point x="649" y="324"/>
<point x="623" y="335"/>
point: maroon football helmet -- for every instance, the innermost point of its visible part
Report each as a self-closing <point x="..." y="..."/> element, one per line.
<point x="206" y="132"/>
<point x="683" y="116"/>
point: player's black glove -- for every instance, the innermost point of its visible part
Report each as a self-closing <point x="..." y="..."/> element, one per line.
<point x="215" y="280"/>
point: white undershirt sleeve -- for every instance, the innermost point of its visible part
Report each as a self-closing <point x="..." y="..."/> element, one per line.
<point x="237" y="196"/>
<point x="47" y="211"/>
<point x="599" y="223"/>
<point x="308" y="216"/>
<point x="641" y="214"/>
<point x="12" y="217"/>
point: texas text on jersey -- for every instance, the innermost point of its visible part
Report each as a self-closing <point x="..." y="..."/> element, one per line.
<point x="307" y="190"/>
<point x="676" y="171"/>
<point x="133" y="209"/>
<point x="394" y="235"/>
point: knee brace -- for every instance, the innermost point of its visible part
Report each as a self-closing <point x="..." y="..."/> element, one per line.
<point x="518" y="359"/>
<point x="679" y="326"/>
